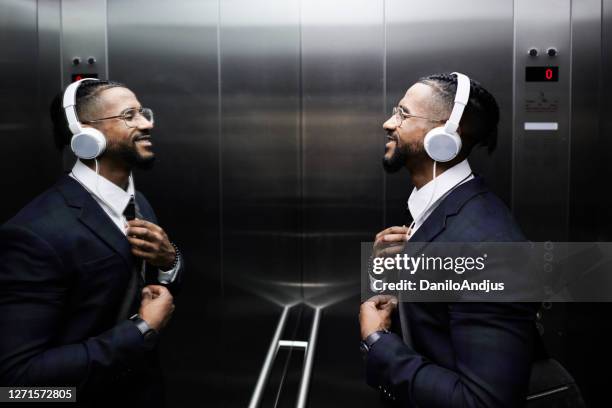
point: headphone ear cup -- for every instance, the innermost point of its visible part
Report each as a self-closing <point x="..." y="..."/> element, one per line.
<point x="442" y="146"/>
<point x="90" y="143"/>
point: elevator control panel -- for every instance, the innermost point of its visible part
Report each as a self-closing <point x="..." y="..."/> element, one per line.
<point x="541" y="131"/>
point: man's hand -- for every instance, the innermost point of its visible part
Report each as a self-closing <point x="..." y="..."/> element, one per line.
<point x="156" y="306"/>
<point x="375" y="314"/>
<point x="390" y="241"/>
<point x="151" y="243"/>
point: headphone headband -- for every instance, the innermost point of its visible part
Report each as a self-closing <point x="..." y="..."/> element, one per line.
<point x="443" y="143"/>
<point x="69" y="104"/>
<point x="461" y="99"/>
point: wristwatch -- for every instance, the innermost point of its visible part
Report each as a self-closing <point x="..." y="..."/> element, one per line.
<point x="149" y="334"/>
<point x="369" y="341"/>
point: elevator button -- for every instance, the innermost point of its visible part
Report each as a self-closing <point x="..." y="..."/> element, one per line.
<point x="552" y="51"/>
<point x="533" y="52"/>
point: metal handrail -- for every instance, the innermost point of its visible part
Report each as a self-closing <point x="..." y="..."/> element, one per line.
<point x="267" y="366"/>
<point x="307" y="371"/>
<point x="275" y="345"/>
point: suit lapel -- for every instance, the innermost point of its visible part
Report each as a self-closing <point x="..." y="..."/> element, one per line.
<point x="94" y="217"/>
<point x="435" y="224"/>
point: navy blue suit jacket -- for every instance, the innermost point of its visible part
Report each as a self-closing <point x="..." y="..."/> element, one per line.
<point x="462" y="354"/>
<point x="64" y="271"/>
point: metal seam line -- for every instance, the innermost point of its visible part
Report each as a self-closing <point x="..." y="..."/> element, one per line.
<point x="220" y="153"/>
<point x="514" y="131"/>
<point x="384" y="104"/>
<point x="569" y="121"/>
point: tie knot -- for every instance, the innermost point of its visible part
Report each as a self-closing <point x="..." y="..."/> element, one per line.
<point x="130" y="210"/>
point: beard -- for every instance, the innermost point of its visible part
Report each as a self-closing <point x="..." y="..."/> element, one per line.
<point x="128" y="153"/>
<point x="402" y="154"/>
<point x="397" y="160"/>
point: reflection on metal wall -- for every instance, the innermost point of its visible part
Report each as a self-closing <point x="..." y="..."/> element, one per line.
<point x="28" y="80"/>
<point x="269" y="137"/>
<point x="260" y="183"/>
<point x="588" y="141"/>
<point x="167" y="54"/>
<point x="343" y="142"/>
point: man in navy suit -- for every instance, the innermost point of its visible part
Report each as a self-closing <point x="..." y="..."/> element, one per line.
<point x="449" y="354"/>
<point x="87" y="277"/>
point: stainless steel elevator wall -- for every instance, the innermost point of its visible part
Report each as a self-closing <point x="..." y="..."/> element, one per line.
<point x="25" y="78"/>
<point x="343" y="196"/>
<point x="342" y="141"/>
<point x="167" y="53"/>
<point x="269" y="138"/>
<point x="261" y="179"/>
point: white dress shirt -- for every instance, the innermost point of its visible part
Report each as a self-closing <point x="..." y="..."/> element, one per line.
<point x="113" y="200"/>
<point x="444" y="184"/>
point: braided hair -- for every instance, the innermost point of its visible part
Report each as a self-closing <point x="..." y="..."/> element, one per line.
<point x="481" y="114"/>
<point x="88" y="97"/>
<point x="87" y="104"/>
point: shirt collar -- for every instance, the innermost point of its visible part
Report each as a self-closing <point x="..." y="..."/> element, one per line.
<point x="106" y="191"/>
<point x="420" y="198"/>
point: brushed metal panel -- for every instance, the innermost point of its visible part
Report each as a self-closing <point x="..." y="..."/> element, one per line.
<point x="166" y="52"/>
<point x="261" y="180"/>
<point x="28" y="158"/>
<point x="50" y="70"/>
<point x="541" y="159"/>
<point x="587" y="174"/>
<point x="342" y="93"/>
<point x="439" y="36"/>
<point x="84" y="35"/>
<point x="586" y="331"/>
<point x="342" y="113"/>
<point x="605" y="142"/>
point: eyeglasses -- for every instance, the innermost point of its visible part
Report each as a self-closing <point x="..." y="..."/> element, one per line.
<point x="130" y="117"/>
<point x="400" y="116"/>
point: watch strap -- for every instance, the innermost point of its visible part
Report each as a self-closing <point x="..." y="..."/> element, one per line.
<point x="372" y="338"/>
<point x="149" y="334"/>
<point x="141" y="324"/>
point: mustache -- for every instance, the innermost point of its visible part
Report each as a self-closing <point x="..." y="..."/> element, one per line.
<point x="392" y="136"/>
<point x="142" y="136"/>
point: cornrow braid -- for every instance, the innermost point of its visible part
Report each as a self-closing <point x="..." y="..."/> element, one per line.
<point x="481" y="114"/>
<point x="87" y="98"/>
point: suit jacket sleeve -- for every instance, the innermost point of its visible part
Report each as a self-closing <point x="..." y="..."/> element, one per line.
<point x="34" y="285"/>
<point x="493" y="346"/>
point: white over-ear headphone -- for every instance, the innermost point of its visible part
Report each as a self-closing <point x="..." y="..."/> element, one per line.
<point x="443" y="143"/>
<point x="87" y="142"/>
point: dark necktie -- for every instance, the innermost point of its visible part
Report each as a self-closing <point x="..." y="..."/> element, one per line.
<point x="130" y="210"/>
<point x="136" y="283"/>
